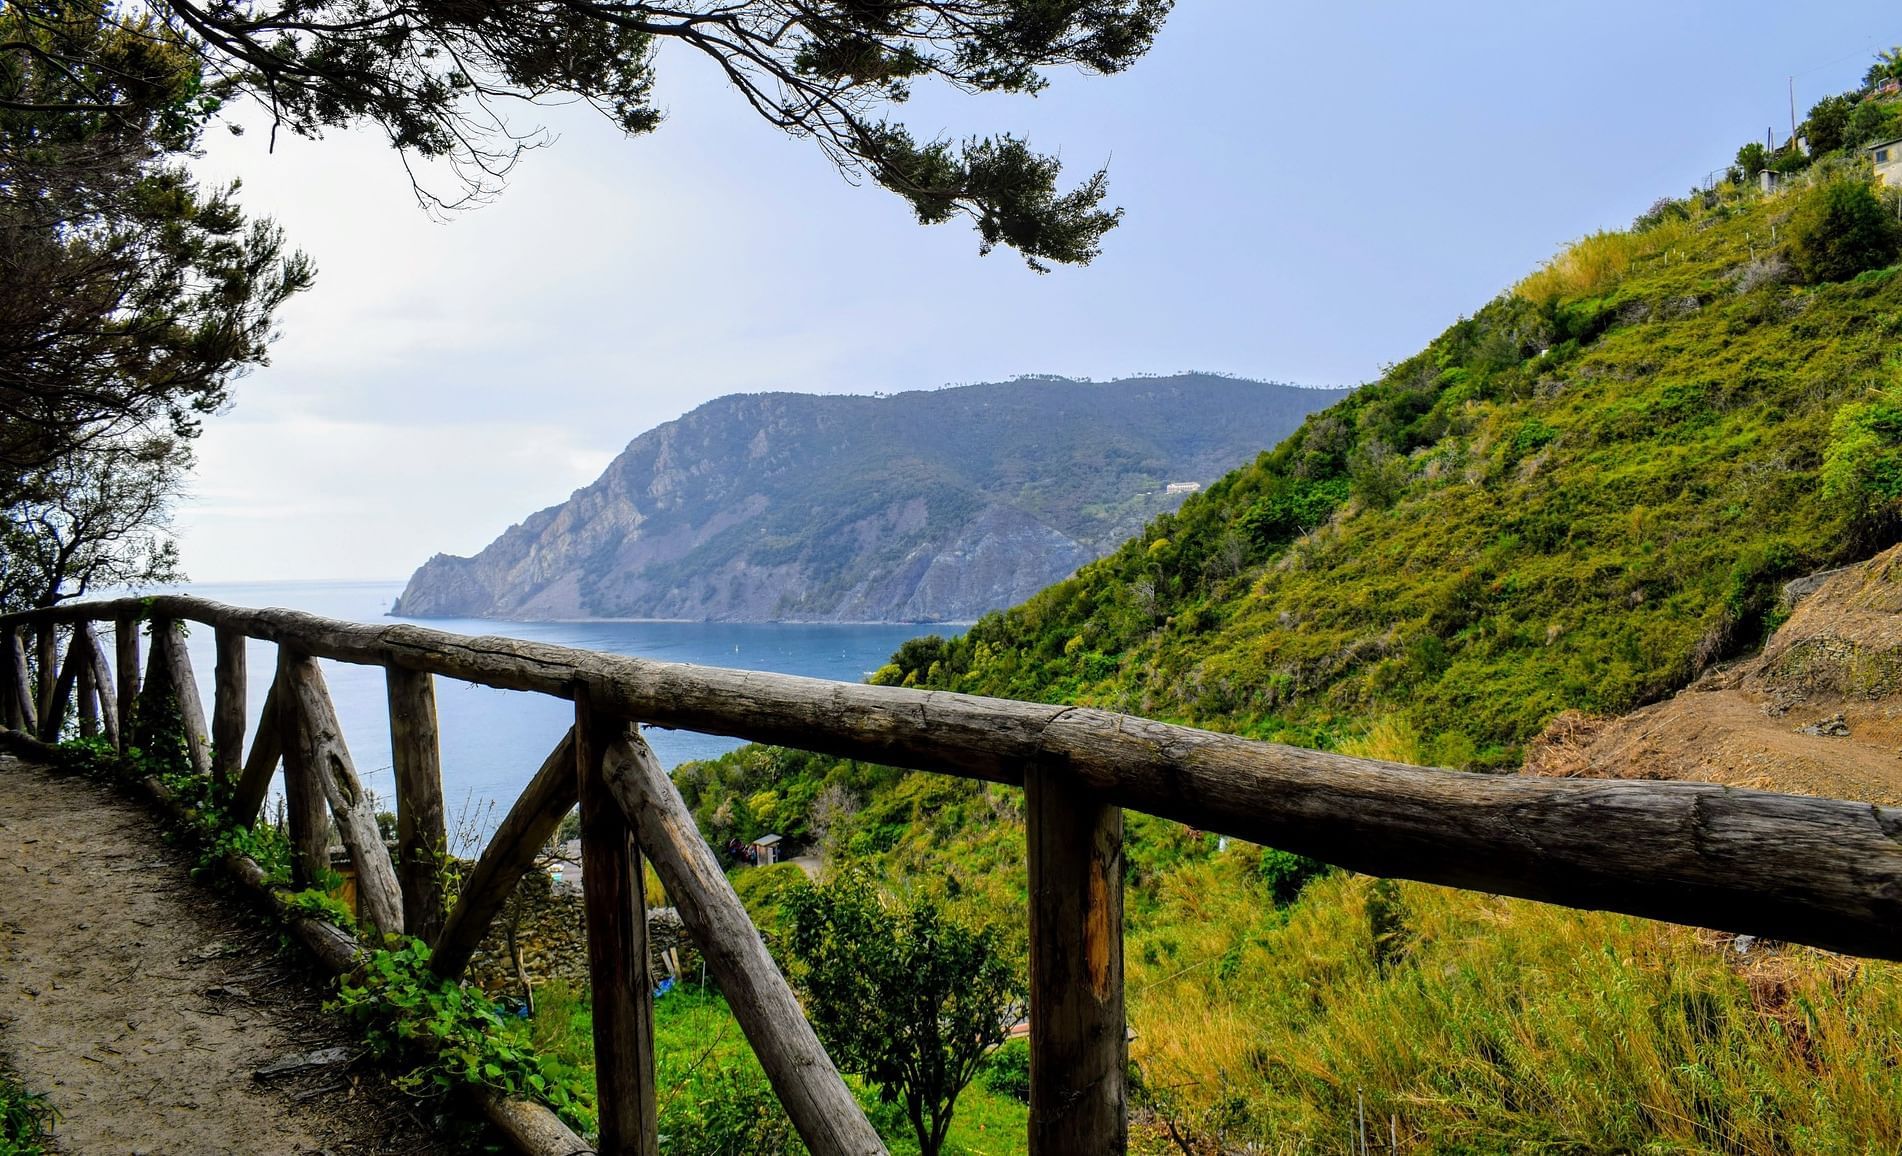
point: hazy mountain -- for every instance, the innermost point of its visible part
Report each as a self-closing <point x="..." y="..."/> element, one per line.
<point x="928" y="506"/>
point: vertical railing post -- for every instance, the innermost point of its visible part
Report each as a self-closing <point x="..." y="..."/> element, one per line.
<point x="1078" y="1034"/>
<point x="47" y="642"/>
<point x="616" y="911"/>
<point x="125" y="650"/>
<point x="227" y="708"/>
<point x="421" y="833"/>
<point x="65" y="686"/>
<point x="22" y="715"/>
<point x="85" y="687"/>
<point x="102" y="684"/>
<point x="254" y="782"/>
<point x="304" y="814"/>
<point x="171" y="666"/>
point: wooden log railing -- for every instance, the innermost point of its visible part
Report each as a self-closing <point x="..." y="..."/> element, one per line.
<point x="1823" y="872"/>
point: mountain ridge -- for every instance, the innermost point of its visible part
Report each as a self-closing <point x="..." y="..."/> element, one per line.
<point x="925" y="506"/>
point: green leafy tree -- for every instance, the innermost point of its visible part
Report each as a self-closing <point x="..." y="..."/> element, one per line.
<point x="902" y="993"/>
<point x="1827" y="128"/>
<point x="1752" y="159"/>
<point x="1840" y="229"/>
<point x="129" y="300"/>
<point x="1870" y="121"/>
<point x="438" y="79"/>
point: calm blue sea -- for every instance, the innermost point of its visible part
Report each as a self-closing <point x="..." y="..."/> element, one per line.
<point x="493" y="740"/>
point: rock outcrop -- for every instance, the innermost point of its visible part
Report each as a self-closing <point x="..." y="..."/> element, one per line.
<point x="920" y="507"/>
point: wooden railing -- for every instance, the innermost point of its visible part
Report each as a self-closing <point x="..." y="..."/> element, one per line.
<point x="1823" y="872"/>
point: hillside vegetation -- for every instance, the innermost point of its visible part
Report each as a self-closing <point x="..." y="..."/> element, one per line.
<point x="1578" y="498"/>
<point x="1574" y="500"/>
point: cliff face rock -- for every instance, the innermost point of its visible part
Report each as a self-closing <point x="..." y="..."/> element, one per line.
<point x="920" y="507"/>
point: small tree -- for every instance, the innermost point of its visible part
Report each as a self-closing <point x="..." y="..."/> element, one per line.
<point x="903" y="993"/>
<point x="1840" y="230"/>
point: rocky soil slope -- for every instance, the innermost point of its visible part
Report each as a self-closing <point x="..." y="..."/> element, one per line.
<point x="1817" y="712"/>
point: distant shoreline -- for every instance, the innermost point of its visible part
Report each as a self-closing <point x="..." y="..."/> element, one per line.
<point x="683" y="621"/>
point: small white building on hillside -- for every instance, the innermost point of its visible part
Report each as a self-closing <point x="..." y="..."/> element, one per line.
<point x="1887" y="156"/>
<point x="1182" y="487"/>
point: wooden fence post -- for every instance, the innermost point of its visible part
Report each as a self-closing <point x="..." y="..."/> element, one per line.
<point x="170" y="655"/>
<point x="304" y="810"/>
<point x="808" y="1085"/>
<point x="125" y="646"/>
<point x="21" y="713"/>
<point x="1079" y="1046"/>
<point x="102" y="684"/>
<point x="613" y="891"/>
<point x="422" y="837"/>
<point x="65" y="684"/>
<point x="266" y="748"/>
<point x="85" y="687"/>
<point x="227" y="708"/>
<point x="46" y="640"/>
<point x="325" y="758"/>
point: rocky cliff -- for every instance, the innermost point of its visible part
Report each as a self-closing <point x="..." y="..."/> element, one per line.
<point x="919" y="507"/>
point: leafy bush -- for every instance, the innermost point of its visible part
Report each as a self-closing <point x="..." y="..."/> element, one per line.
<point x="1752" y="159"/>
<point x="1007" y="1070"/>
<point x="1285" y="874"/>
<point x="1862" y="466"/>
<point x="1839" y="229"/>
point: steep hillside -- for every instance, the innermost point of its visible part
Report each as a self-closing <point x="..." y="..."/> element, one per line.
<point x="918" y="507"/>
<point x="1579" y="497"/>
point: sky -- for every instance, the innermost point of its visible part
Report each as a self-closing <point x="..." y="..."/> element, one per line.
<point x="1311" y="192"/>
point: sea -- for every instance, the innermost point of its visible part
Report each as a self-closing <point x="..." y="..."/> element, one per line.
<point x="493" y="740"/>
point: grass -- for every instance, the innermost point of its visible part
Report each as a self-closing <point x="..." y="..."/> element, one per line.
<point x="713" y="1096"/>
<point x="26" y="1119"/>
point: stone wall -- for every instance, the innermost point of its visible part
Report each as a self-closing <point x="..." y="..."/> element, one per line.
<point x="551" y="932"/>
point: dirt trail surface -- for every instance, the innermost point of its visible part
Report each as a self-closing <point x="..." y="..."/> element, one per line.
<point x="144" y="1005"/>
<point x="1817" y="712"/>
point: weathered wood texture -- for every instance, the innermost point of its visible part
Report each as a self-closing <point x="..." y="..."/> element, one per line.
<point x="323" y="754"/>
<point x="422" y="839"/>
<point x="227" y="707"/>
<point x="65" y="683"/>
<point x="1078" y="1043"/>
<point x="304" y="812"/>
<point x="533" y="1129"/>
<point x="809" y="1086"/>
<point x="102" y="684"/>
<point x="170" y="667"/>
<point x="530" y="823"/>
<point x="1815" y="871"/>
<point x="125" y="648"/>
<point x="85" y="691"/>
<point x="23" y="713"/>
<point x="267" y="747"/>
<point x="621" y="990"/>
<point x="46" y="644"/>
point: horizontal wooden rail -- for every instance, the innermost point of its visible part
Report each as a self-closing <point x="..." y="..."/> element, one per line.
<point x="1817" y="871"/>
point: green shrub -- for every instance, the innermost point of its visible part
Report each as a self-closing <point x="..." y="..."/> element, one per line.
<point x="1007" y="1070"/>
<point x="1285" y="874"/>
<point x="1839" y="230"/>
<point x="1752" y="159"/>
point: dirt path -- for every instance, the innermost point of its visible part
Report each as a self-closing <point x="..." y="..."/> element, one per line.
<point x="142" y="1003"/>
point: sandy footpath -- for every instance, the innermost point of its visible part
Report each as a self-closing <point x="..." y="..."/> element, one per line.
<point x="143" y="1004"/>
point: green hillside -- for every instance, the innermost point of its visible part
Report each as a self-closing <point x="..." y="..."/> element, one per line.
<point x="1577" y="497"/>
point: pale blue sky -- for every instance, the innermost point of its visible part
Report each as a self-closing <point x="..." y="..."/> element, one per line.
<point x="1312" y="191"/>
